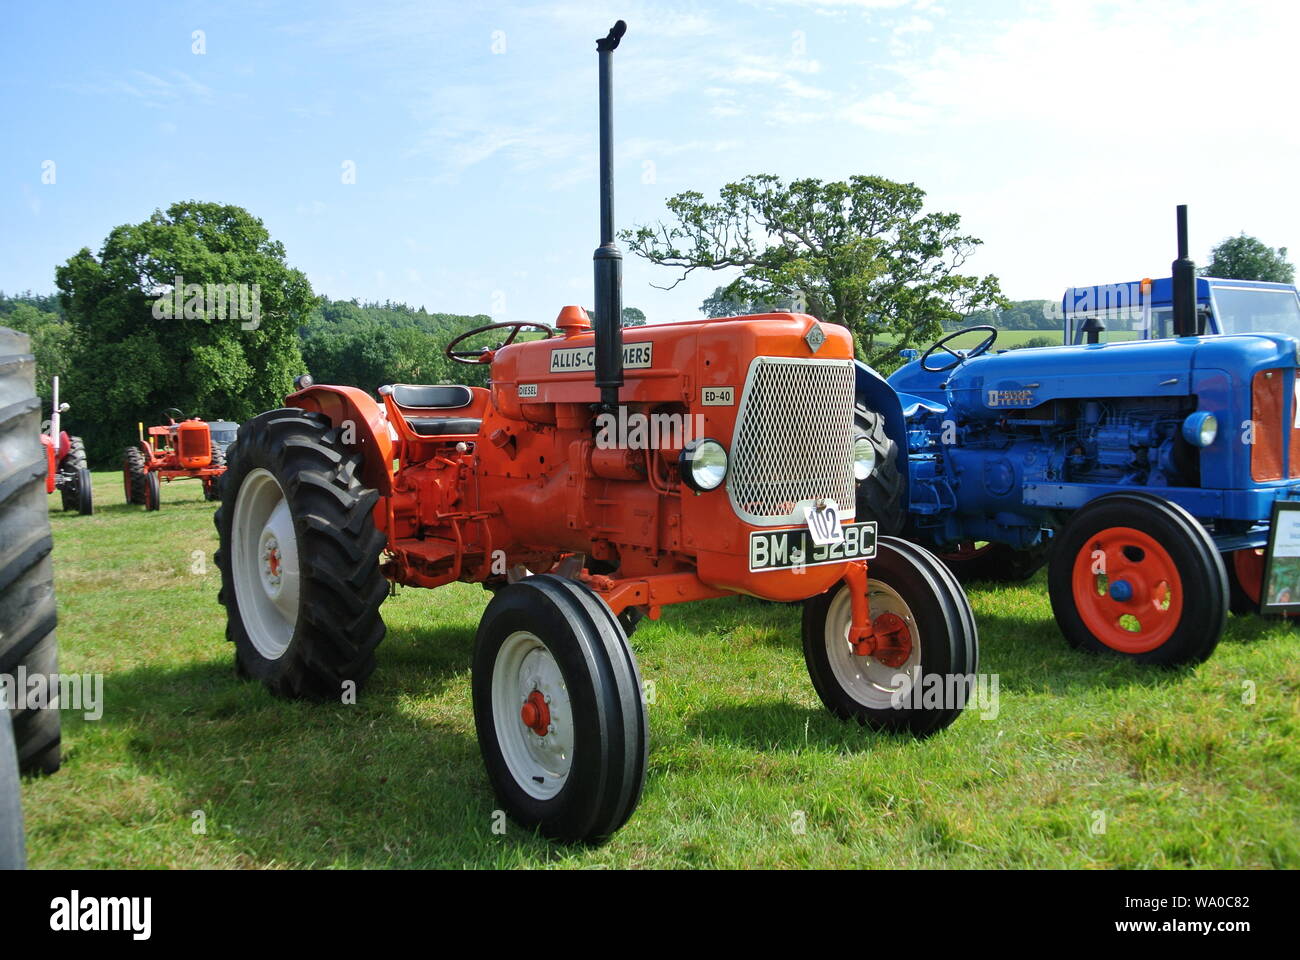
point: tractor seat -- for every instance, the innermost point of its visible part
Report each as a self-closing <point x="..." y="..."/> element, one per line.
<point x="413" y="398"/>
<point x="443" y="426"/>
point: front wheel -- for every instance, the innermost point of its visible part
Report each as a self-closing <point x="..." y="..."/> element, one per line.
<point x="299" y="557"/>
<point x="558" y="709"/>
<point x="1138" y="576"/>
<point x="152" y="491"/>
<point x="918" y="679"/>
<point x="82" y="495"/>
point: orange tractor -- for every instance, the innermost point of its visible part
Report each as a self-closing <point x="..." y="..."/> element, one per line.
<point x="540" y="488"/>
<point x="183" y="449"/>
<point x="65" y="456"/>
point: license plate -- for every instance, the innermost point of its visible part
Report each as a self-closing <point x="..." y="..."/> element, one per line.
<point x="784" y="549"/>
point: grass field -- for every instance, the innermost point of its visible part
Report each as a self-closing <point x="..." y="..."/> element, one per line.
<point x="1088" y="763"/>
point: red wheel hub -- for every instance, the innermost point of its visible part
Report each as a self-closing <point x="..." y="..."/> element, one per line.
<point x="273" y="561"/>
<point x="893" y="641"/>
<point x="1127" y="590"/>
<point x="1249" y="567"/>
<point x="535" y="714"/>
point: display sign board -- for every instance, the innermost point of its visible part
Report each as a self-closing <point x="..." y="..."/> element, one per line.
<point x="1281" y="592"/>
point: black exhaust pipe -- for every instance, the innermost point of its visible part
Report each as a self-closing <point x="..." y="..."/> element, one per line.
<point x="1187" y="322"/>
<point x="607" y="259"/>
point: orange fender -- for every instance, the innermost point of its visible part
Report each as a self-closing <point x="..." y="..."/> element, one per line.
<point x="349" y="407"/>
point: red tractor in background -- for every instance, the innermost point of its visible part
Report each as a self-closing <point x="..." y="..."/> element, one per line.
<point x="66" y="459"/>
<point x="182" y="449"/>
<point x="519" y="486"/>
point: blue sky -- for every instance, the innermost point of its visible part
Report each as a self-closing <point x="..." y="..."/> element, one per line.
<point x="1064" y="133"/>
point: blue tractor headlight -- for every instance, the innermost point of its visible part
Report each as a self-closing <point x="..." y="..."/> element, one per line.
<point x="703" y="465"/>
<point x="1201" y="428"/>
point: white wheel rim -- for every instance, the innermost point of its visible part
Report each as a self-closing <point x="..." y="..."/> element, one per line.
<point x="264" y="563"/>
<point x="538" y="762"/>
<point x="871" y="683"/>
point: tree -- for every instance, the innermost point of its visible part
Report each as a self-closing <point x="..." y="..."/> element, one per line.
<point x="859" y="253"/>
<point x="720" y="304"/>
<point x="1245" y="258"/>
<point x="51" y="341"/>
<point x="154" y="325"/>
<point x="632" y="316"/>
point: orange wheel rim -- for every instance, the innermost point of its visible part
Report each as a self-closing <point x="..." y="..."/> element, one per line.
<point x="1127" y="590"/>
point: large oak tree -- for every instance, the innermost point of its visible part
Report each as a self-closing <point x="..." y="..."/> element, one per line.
<point x="861" y="252"/>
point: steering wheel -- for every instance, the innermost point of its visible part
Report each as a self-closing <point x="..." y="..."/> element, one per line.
<point x="174" y="414"/>
<point x="484" y="354"/>
<point x="957" y="359"/>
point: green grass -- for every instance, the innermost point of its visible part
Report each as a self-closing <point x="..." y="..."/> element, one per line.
<point x="1186" y="773"/>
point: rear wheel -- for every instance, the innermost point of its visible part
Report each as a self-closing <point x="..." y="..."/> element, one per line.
<point x="918" y="679"/>
<point x="880" y="495"/>
<point x="994" y="562"/>
<point x="134" y="475"/>
<point x="558" y="709"/>
<point x="1138" y="576"/>
<point x="12" y="855"/>
<point x="299" y="557"/>
<point x="27" y="613"/>
<point x="76" y="453"/>
<point x="212" y="485"/>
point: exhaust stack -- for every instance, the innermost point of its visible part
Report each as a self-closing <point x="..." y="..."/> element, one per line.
<point x="608" y="261"/>
<point x="1186" y="320"/>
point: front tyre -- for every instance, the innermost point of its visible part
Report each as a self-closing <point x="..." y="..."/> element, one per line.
<point x="558" y="709"/>
<point x="299" y="557"/>
<point x="152" y="491"/>
<point x="1137" y="576"/>
<point x="918" y="679"/>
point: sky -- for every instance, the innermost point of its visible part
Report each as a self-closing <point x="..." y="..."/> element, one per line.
<point x="1063" y="133"/>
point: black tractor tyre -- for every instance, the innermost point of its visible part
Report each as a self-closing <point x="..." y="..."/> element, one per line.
<point x="12" y="849"/>
<point x="1172" y="558"/>
<point x="76" y="457"/>
<point x="337" y="625"/>
<point x="134" y="476"/>
<point x="582" y="657"/>
<point x="910" y="583"/>
<point x="218" y="456"/>
<point x="83" y="493"/>
<point x="27" y="612"/>
<point x="152" y="491"/>
<point x="880" y="495"/>
<point x="995" y="562"/>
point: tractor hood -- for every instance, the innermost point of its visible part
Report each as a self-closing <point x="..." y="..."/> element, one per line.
<point x="990" y="386"/>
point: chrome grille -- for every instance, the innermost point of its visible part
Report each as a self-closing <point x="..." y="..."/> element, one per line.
<point x="794" y="439"/>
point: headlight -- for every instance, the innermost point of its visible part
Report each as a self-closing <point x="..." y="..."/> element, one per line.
<point x="864" y="458"/>
<point x="703" y="464"/>
<point x="1200" y="428"/>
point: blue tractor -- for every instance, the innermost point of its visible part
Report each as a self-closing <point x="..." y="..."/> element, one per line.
<point x="1129" y="467"/>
